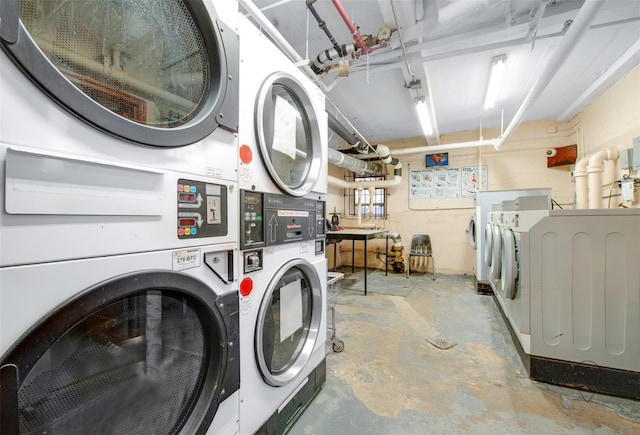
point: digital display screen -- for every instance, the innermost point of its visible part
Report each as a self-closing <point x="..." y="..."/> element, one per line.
<point x="186" y="197"/>
<point x="187" y="223"/>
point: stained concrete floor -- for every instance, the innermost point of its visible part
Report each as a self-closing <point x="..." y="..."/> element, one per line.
<point x="390" y="380"/>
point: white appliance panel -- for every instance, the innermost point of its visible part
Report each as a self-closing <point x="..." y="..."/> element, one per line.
<point x="585" y="303"/>
<point x="261" y="61"/>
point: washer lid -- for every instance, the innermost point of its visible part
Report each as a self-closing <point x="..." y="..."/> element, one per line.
<point x="155" y="73"/>
<point x="288" y="133"/>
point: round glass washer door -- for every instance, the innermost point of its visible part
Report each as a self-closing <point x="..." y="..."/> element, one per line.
<point x="153" y="72"/>
<point x="288" y="133"/>
<point x="145" y="353"/>
<point x="288" y="322"/>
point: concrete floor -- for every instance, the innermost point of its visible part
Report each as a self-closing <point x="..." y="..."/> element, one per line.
<point x="390" y="380"/>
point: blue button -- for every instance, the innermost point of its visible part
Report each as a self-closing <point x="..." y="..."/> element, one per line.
<point x="193" y="189"/>
<point x="194" y="231"/>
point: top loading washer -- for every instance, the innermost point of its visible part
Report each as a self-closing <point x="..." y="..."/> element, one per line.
<point x="137" y="82"/>
<point x="283" y="122"/>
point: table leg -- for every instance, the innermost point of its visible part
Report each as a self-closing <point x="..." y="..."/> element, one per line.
<point x="335" y="249"/>
<point x="386" y="256"/>
<point x="353" y="255"/>
<point x="365" y="266"/>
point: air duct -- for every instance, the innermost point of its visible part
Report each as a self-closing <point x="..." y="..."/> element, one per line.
<point x="361" y="167"/>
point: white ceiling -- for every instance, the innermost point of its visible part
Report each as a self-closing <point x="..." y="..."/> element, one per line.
<point x="449" y="45"/>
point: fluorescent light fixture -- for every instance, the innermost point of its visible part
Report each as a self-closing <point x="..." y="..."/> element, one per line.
<point x="423" y="115"/>
<point x="495" y="80"/>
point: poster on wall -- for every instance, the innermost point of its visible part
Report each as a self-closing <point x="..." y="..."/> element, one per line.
<point x="446" y="183"/>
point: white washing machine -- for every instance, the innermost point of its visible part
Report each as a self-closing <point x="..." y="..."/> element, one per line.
<point x="283" y="287"/>
<point x="119" y="127"/>
<point x="153" y="84"/>
<point x="585" y="300"/>
<point x="283" y="122"/>
<point x="139" y="343"/>
<point x="514" y="286"/>
<point x="483" y="202"/>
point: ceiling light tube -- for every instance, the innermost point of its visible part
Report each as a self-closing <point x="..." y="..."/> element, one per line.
<point x="423" y="115"/>
<point x="495" y="80"/>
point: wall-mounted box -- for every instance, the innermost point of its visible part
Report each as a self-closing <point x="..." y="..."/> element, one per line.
<point x="636" y="154"/>
<point x="626" y="158"/>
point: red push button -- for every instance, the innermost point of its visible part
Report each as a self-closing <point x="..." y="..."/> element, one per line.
<point x="246" y="155"/>
<point x="246" y="286"/>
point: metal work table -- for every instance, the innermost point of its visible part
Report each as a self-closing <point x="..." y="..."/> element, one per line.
<point x="353" y="235"/>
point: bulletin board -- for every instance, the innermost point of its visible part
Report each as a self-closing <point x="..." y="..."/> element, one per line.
<point x="446" y="183"/>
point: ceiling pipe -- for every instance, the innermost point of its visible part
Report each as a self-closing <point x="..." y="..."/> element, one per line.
<point x="446" y="147"/>
<point x="536" y="15"/>
<point x="578" y="27"/>
<point x="352" y="28"/>
<point x="351" y="138"/>
<point x="360" y="167"/>
<point x="281" y="42"/>
<point x="323" y="25"/>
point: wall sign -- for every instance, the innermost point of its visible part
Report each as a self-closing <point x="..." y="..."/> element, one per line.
<point x="446" y="183"/>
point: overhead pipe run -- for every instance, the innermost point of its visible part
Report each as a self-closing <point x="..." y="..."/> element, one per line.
<point x="578" y="27"/>
<point x="345" y="161"/>
<point x="357" y="37"/>
<point x="361" y="167"/>
<point x="349" y="137"/>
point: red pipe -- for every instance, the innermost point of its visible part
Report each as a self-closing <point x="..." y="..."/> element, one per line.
<point x="354" y="32"/>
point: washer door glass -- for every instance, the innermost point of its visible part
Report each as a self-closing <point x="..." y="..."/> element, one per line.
<point x="288" y="322"/>
<point x="288" y="134"/>
<point x="150" y="361"/>
<point x="135" y="68"/>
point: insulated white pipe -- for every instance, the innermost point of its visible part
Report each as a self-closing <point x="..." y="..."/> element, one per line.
<point x="586" y="14"/>
<point x="446" y="147"/>
<point x="595" y="170"/>
<point x="582" y="191"/>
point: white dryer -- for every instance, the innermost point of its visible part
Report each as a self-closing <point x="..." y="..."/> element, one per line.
<point x="148" y="83"/>
<point x="119" y="126"/>
<point x="283" y="122"/>
<point x="282" y="335"/>
<point x="283" y="287"/>
<point x="139" y="343"/>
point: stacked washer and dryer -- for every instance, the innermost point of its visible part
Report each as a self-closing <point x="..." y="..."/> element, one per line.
<point x="283" y="187"/>
<point x="118" y="272"/>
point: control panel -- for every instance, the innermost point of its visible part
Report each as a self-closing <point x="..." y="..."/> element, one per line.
<point x="202" y="209"/>
<point x="269" y="220"/>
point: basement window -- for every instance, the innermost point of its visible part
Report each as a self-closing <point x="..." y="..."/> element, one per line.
<point x="379" y="209"/>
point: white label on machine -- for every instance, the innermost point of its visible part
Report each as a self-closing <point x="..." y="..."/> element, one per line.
<point x="284" y="128"/>
<point x="290" y="309"/>
<point x="186" y="259"/>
